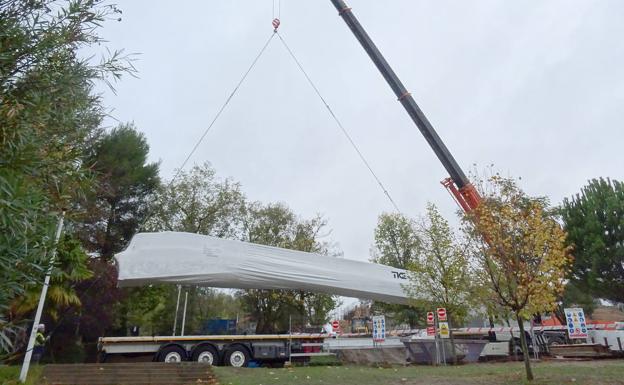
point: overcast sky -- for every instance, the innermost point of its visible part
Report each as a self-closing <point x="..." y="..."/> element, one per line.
<point x="534" y="87"/>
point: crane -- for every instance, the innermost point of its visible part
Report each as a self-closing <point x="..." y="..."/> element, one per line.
<point x="246" y="265"/>
<point x="172" y="257"/>
<point x="464" y="192"/>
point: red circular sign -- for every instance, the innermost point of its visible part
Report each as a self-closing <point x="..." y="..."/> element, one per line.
<point x="430" y="317"/>
<point x="441" y="313"/>
<point x="335" y="325"/>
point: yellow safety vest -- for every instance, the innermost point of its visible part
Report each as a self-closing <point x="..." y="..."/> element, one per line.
<point x="39" y="339"/>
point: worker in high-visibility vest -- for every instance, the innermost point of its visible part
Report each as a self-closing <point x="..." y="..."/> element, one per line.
<point x="40" y="340"/>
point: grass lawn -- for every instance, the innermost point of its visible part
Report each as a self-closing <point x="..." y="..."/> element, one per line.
<point x="551" y="373"/>
<point x="9" y="374"/>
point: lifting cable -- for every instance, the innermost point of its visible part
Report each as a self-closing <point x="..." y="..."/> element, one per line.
<point x="276" y="23"/>
<point x="178" y="171"/>
<point x="277" y="15"/>
<point x="338" y="123"/>
<point x="227" y="101"/>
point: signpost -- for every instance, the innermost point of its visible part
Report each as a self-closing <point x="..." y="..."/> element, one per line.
<point x="575" y="323"/>
<point x="379" y="328"/>
<point x="335" y="325"/>
<point x="442" y="331"/>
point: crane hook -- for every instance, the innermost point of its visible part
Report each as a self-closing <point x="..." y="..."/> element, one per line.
<point x="276" y="24"/>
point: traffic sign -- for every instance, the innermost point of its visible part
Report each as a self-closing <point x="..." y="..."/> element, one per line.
<point x="444" y="330"/>
<point x="379" y="328"/>
<point x="441" y="314"/>
<point x="431" y="330"/>
<point x="576" y="323"/>
<point x="335" y="325"/>
<point x="430" y="318"/>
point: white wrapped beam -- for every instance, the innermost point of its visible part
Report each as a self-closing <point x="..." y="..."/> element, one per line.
<point x="185" y="258"/>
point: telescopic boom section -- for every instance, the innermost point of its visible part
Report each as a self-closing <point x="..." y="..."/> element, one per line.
<point x="458" y="184"/>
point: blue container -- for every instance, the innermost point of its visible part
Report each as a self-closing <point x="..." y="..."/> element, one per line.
<point x="219" y="326"/>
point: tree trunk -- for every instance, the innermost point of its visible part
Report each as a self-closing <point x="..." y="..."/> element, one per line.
<point x="559" y="314"/>
<point x="106" y="247"/>
<point x="525" y="348"/>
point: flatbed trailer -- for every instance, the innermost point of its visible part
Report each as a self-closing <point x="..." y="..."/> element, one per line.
<point x="229" y="350"/>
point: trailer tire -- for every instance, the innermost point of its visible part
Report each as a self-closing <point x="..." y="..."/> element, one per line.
<point x="237" y="356"/>
<point x="205" y="354"/>
<point x="556" y="341"/>
<point x="172" y="353"/>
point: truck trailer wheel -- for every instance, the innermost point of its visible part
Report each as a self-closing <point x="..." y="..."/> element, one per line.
<point x="205" y="354"/>
<point x="172" y="353"/>
<point x="237" y="356"/>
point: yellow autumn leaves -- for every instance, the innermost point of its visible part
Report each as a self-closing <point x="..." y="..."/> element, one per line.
<point x="520" y="249"/>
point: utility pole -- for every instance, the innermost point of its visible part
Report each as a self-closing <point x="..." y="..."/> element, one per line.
<point x="44" y="292"/>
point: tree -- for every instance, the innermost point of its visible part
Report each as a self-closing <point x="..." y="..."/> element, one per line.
<point x="48" y="114"/>
<point x="70" y="267"/>
<point x="441" y="274"/>
<point x="574" y="296"/>
<point x="99" y="298"/>
<point x="74" y="336"/>
<point x="111" y="213"/>
<point x="520" y="252"/>
<point x="147" y="307"/>
<point x="217" y="304"/>
<point x="198" y="202"/>
<point x="276" y="225"/>
<point x="594" y="222"/>
<point x="203" y="303"/>
<point x="125" y="181"/>
<point x="397" y="244"/>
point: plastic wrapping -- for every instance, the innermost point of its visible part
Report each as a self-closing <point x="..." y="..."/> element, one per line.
<point x="193" y="259"/>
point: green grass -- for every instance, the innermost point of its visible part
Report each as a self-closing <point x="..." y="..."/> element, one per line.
<point x="9" y="375"/>
<point x="546" y="373"/>
<point x="602" y="372"/>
